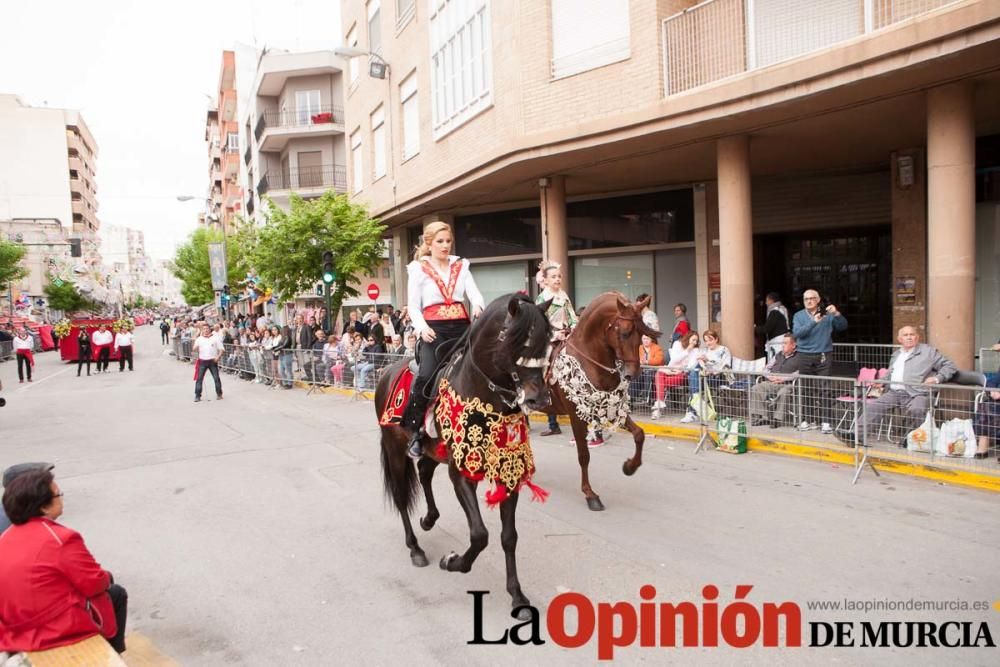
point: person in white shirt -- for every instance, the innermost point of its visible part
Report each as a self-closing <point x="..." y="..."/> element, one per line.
<point x="209" y="349"/>
<point x="123" y="346"/>
<point x="439" y="281"/>
<point x="102" y="340"/>
<point x="24" y="346"/>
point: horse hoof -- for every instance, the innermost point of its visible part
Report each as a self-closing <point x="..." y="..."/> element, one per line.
<point x="427" y="523"/>
<point x="418" y="559"/>
<point x="629" y="468"/>
<point x="595" y="505"/>
<point x="446" y="560"/>
<point x="522" y="612"/>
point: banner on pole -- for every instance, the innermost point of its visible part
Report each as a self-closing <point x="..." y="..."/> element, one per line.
<point x="217" y="264"/>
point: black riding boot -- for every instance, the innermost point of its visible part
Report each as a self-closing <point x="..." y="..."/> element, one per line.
<point x="413" y="419"/>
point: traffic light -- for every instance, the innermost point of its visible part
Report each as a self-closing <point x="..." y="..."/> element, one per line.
<point x="319" y="290"/>
<point x="328" y="274"/>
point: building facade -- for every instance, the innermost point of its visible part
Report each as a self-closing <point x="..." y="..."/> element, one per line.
<point x="48" y="170"/>
<point x="705" y="153"/>
<point x="225" y="192"/>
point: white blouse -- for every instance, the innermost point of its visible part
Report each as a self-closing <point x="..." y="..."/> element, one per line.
<point x="102" y="337"/>
<point x="27" y="343"/>
<point x="423" y="290"/>
<point x="123" y="338"/>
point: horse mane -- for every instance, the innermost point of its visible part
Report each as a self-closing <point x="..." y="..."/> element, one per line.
<point x="527" y="333"/>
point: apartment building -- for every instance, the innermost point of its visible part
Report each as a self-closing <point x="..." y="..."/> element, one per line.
<point x="225" y="191"/>
<point x="705" y="153"/>
<point x="48" y="170"/>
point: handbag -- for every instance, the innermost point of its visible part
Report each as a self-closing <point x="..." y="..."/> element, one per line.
<point x="704" y="409"/>
<point x="732" y="435"/>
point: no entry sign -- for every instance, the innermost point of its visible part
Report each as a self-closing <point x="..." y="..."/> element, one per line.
<point x="373" y="292"/>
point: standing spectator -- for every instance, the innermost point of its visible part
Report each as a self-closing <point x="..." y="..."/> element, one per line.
<point x="6" y="337"/>
<point x="713" y="359"/>
<point x="914" y="364"/>
<point x="123" y="345"/>
<point x="410" y="346"/>
<point x="560" y="313"/>
<point x="302" y="341"/>
<point x="396" y="346"/>
<point x="775" y="325"/>
<point x="24" y="346"/>
<point x="681" y="324"/>
<point x="164" y="332"/>
<point x="683" y="359"/>
<point x="317" y="371"/>
<point x="354" y="325"/>
<point x="649" y="317"/>
<point x="777" y="384"/>
<point x="83" y="355"/>
<point x="254" y="354"/>
<point x="405" y="322"/>
<point x="272" y="354"/>
<point x="650" y="359"/>
<point x="285" y="357"/>
<point x="209" y="349"/>
<point x="52" y="590"/>
<point x="813" y="327"/>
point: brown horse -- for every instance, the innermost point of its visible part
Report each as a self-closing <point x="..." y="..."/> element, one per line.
<point x="502" y="362"/>
<point x="606" y="344"/>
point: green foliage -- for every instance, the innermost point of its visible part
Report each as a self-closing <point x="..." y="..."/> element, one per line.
<point x="65" y="297"/>
<point x="288" y="252"/>
<point x="190" y="263"/>
<point x="10" y="263"/>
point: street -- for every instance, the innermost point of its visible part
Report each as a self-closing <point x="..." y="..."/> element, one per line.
<point x="254" y="530"/>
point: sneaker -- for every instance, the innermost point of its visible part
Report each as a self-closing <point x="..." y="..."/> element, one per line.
<point x="826" y="428"/>
<point x="197" y="399"/>
<point x="689" y="418"/>
<point x="218" y="397"/>
<point x="595" y="443"/>
<point x="656" y="414"/>
<point x="807" y="426"/>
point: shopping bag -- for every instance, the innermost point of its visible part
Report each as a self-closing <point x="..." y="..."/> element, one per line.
<point x="704" y="409"/>
<point x="922" y="438"/>
<point x="732" y="435"/>
<point x="956" y="437"/>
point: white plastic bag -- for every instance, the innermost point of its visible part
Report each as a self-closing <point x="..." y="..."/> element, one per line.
<point x="956" y="438"/>
<point x="921" y="438"/>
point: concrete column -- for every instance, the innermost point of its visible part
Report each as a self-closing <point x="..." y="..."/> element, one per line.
<point x="951" y="221"/>
<point x="736" y="244"/>
<point x="399" y="258"/>
<point x="703" y="307"/>
<point x="555" y="240"/>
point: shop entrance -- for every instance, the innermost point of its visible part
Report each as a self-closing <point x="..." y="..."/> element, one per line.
<point x="850" y="268"/>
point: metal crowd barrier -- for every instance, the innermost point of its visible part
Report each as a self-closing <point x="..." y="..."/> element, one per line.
<point x="6" y="350"/>
<point x="850" y="358"/>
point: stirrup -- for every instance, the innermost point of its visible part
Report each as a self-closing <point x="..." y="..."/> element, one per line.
<point x="414" y="449"/>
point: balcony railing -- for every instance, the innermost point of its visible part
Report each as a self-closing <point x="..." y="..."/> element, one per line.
<point x="721" y="38"/>
<point x="300" y="117"/>
<point x="328" y="176"/>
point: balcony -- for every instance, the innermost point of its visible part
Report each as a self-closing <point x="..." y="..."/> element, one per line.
<point x="306" y="181"/>
<point x="246" y="156"/>
<point x="231" y="162"/>
<point x="275" y="128"/>
<point x="718" y="39"/>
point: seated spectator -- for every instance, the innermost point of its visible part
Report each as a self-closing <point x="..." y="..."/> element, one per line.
<point x="333" y="359"/>
<point x="683" y="358"/>
<point x="650" y="357"/>
<point x="987" y="422"/>
<point x="914" y="364"/>
<point x="713" y="359"/>
<point x="777" y="384"/>
<point x="52" y="591"/>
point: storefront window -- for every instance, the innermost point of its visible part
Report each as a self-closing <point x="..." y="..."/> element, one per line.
<point x="495" y="280"/>
<point x="630" y="274"/>
<point x="498" y="234"/>
<point x="653" y="218"/>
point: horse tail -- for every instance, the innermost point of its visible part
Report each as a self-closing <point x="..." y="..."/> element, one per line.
<point x="399" y="474"/>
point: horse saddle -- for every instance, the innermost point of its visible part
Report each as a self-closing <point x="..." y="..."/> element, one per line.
<point x="399" y="396"/>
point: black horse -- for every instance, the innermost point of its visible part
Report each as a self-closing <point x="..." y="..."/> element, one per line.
<point x="501" y="361"/>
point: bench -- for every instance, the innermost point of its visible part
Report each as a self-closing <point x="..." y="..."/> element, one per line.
<point x="91" y="652"/>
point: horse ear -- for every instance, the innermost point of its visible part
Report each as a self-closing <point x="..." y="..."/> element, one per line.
<point x="642" y="303"/>
<point x="623" y="306"/>
<point x="512" y="307"/>
<point x="544" y="306"/>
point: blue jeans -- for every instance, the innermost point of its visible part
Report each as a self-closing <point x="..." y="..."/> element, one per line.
<point x="285" y="368"/>
<point x="361" y="374"/>
<point x="553" y="422"/>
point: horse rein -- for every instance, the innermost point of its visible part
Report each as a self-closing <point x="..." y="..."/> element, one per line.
<point x="517" y="392"/>
<point x="612" y="323"/>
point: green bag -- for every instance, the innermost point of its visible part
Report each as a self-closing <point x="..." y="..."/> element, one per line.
<point x="732" y="435"/>
<point x="706" y="410"/>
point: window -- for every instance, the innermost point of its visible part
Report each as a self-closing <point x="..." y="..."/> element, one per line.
<point x="461" y="62"/>
<point x="587" y="34"/>
<point x="630" y="274"/>
<point x="233" y="142"/>
<point x="375" y="26"/>
<point x="352" y="65"/>
<point x="306" y="106"/>
<point x="411" y="116"/>
<point x="631" y="220"/>
<point x="404" y="10"/>
<point x="378" y="142"/>
<point x="357" y="171"/>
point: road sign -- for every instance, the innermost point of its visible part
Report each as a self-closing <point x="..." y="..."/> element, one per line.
<point x="57" y="282"/>
<point x="373" y="292"/>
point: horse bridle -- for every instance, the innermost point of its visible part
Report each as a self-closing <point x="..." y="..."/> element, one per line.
<point x="517" y="393"/>
<point x="618" y="362"/>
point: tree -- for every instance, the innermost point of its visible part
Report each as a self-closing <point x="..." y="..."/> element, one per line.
<point x="190" y="263"/>
<point x="10" y="263"/>
<point x="288" y="252"/>
<point x="65" y="296"/>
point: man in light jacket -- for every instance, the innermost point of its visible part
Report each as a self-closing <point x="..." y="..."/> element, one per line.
<point x="914" y="365"/>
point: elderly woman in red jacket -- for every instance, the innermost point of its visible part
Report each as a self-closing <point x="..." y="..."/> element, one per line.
<point x="52" y="591"/>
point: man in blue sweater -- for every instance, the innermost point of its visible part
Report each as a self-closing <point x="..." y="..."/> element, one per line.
<point x="813" y="328"/>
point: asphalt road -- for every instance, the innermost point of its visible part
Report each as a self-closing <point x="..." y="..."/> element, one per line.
<point x="253" y="531"/>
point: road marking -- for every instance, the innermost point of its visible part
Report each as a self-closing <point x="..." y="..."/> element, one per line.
<point x="47" y="377"/>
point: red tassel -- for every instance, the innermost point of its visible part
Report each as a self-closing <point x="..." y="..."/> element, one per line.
<point x="496" y="496"/>
<point x="442" y="451"/>
<point x="538" y="494"/>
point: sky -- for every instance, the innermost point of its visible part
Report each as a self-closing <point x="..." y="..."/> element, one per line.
<point x="143" y="75"/>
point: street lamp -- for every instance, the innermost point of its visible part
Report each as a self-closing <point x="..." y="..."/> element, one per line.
<point x="214" y="219"/>
<point x="377" y="68"/>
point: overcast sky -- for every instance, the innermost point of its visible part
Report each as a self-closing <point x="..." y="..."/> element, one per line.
<point x="140" y="72"/>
